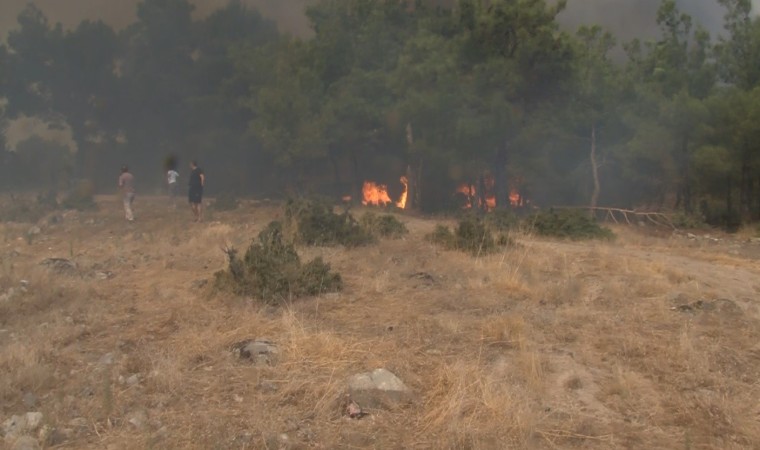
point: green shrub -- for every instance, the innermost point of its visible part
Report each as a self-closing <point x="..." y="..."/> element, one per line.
<point x="471" y="235"/>
<point x="502" y="220"/>
<point x="385" y="225"/>
<point x="568" y="224"/>
<point x="313" y="222"/>
<point x="225" y="201"/>
<point x="271" y="271"/>
<point x="688" y="221"/>
<point x="81" y="197"/>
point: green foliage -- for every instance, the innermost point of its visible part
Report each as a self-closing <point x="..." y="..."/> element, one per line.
<point x="313" y="222"/>
<point x="502" y="220"/>
<point x="272" y="272"/>
<point x="471" y="235"/>
<point x="568" y="224"/>
<point x="225" y="201"/>
<point x="385" y="225"/>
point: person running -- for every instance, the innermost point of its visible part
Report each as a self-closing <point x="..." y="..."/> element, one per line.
<point x="127" y="186"/>
<point x="171" y="182"/>
<point x="195" y="194"/>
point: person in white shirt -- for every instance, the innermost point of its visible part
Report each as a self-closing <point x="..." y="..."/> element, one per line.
<point x="171" y="182"/>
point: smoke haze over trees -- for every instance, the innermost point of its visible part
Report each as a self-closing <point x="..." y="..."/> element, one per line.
<point x="504" y="96"/>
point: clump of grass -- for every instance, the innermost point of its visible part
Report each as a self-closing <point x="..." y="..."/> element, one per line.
<point x="271" y="271"/>
<point x="568" y="224"/>
<point x="471" y="235"/>
<point x="81" y="197"/>
<point x="226" y="201"/>
<point x="313" y="222"/>
<point x="385" y="225"/>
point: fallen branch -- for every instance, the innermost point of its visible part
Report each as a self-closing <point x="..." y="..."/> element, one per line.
<point x="657" y="218"/>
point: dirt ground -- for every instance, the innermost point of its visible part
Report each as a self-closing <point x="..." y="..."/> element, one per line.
<point x="648" y="341"/>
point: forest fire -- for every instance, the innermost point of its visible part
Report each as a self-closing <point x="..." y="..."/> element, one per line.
<point x="401" y="203"/>
<point x="471" y="197"/>
<point x="375" y="194"/>
<point x="515" y="199"/>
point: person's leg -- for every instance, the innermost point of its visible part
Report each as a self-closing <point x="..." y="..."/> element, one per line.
<point x="128" y="207"/>
<point x="200" y="211"/>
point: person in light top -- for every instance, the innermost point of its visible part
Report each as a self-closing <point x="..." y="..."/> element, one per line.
<point x="127" y="187"/>
<point x="171" y="183"/>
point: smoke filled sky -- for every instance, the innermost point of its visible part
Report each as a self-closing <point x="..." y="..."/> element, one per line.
<point x="628" y="18"/>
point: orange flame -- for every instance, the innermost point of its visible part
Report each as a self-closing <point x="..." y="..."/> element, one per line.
<point x="375" y="194"/>
<point x="514" y="198"/>
<point x="401" y="203"/>
<point x="469" y="192"/>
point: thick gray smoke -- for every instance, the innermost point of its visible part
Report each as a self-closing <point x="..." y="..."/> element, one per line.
<point x="627" y="18"/>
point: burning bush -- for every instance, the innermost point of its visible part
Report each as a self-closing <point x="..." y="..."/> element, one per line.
<point x="313" y="222"/>
<point x="272" y="271"/>
<point x="385" y="225"/>
<point x="568" y="224"/>
<point x="471" y="235"/>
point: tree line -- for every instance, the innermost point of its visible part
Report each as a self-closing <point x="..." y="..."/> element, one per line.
<point x="493" y="94"/>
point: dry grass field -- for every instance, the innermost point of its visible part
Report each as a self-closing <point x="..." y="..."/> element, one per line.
<point x="549" y="344"/>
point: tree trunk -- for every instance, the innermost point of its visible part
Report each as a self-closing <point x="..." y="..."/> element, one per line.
<point x="594" y="169"/>
<point x="413" y="173"/>
<point x="480" y="191"/>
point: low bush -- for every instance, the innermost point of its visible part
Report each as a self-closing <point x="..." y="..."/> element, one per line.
<point x="502" y="220"/>
<point x="567" y="224"/>
<point x="272" y="272"/>
<point x="386" y="225"/>
<point x="81" y="197"/>
<point x="313" y="222"/>
<point x="471" y="235"/>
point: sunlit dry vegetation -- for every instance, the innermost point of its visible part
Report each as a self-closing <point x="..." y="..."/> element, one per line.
<point x="543" y="344"/>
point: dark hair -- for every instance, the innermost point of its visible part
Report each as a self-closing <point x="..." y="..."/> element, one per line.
<point x="124" y="169"/>
<point x="194" y="163"/>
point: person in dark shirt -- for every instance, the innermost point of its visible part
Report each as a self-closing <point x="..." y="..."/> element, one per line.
<point x="195" y="194"/>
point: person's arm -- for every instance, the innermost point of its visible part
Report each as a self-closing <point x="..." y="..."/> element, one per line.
<point x="203" y="179"/>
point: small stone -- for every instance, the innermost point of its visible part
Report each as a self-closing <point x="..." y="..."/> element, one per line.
<point x="237" y="398"/>
<point x="267" y="386"/>
<point x="33" y="420"/>
<point x="260" y="351"/>
<point x="30" y="400"/>
<point x="26" y="443"/>
<point x="34" y="231"/>
<point x="377" y="389"/>
<point x="79" y="422"/>
<point x="138" y="419"/>
<point x="106" y="360"/>
<point x="133" y="380"/>
<point x="14" y="426"/>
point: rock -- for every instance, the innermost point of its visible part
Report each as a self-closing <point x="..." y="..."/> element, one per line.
<point x="104" y="275"/>
<point x="267" y="386"/>
<point x="691" y="236"/>
<point x="30" y="400"/>
<point x="26" y="443"/>
<point x="133" y="380"/>
<point x="34" y="231"/>
<point x="60" y="265"/>
<point x="260" y="351"/>
<point x="14" y="426"/>
<point x="378" y="389"/>
<point x="138" y="419"/>
<point x="106" y="360"/>
<point x="33" y="421"/>
<point x="79" y="422"/>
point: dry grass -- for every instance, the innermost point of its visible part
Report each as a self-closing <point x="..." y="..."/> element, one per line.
<point x="547" y="344"/>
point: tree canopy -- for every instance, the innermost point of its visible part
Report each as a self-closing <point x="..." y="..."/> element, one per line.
<point x="492" y="95"/>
